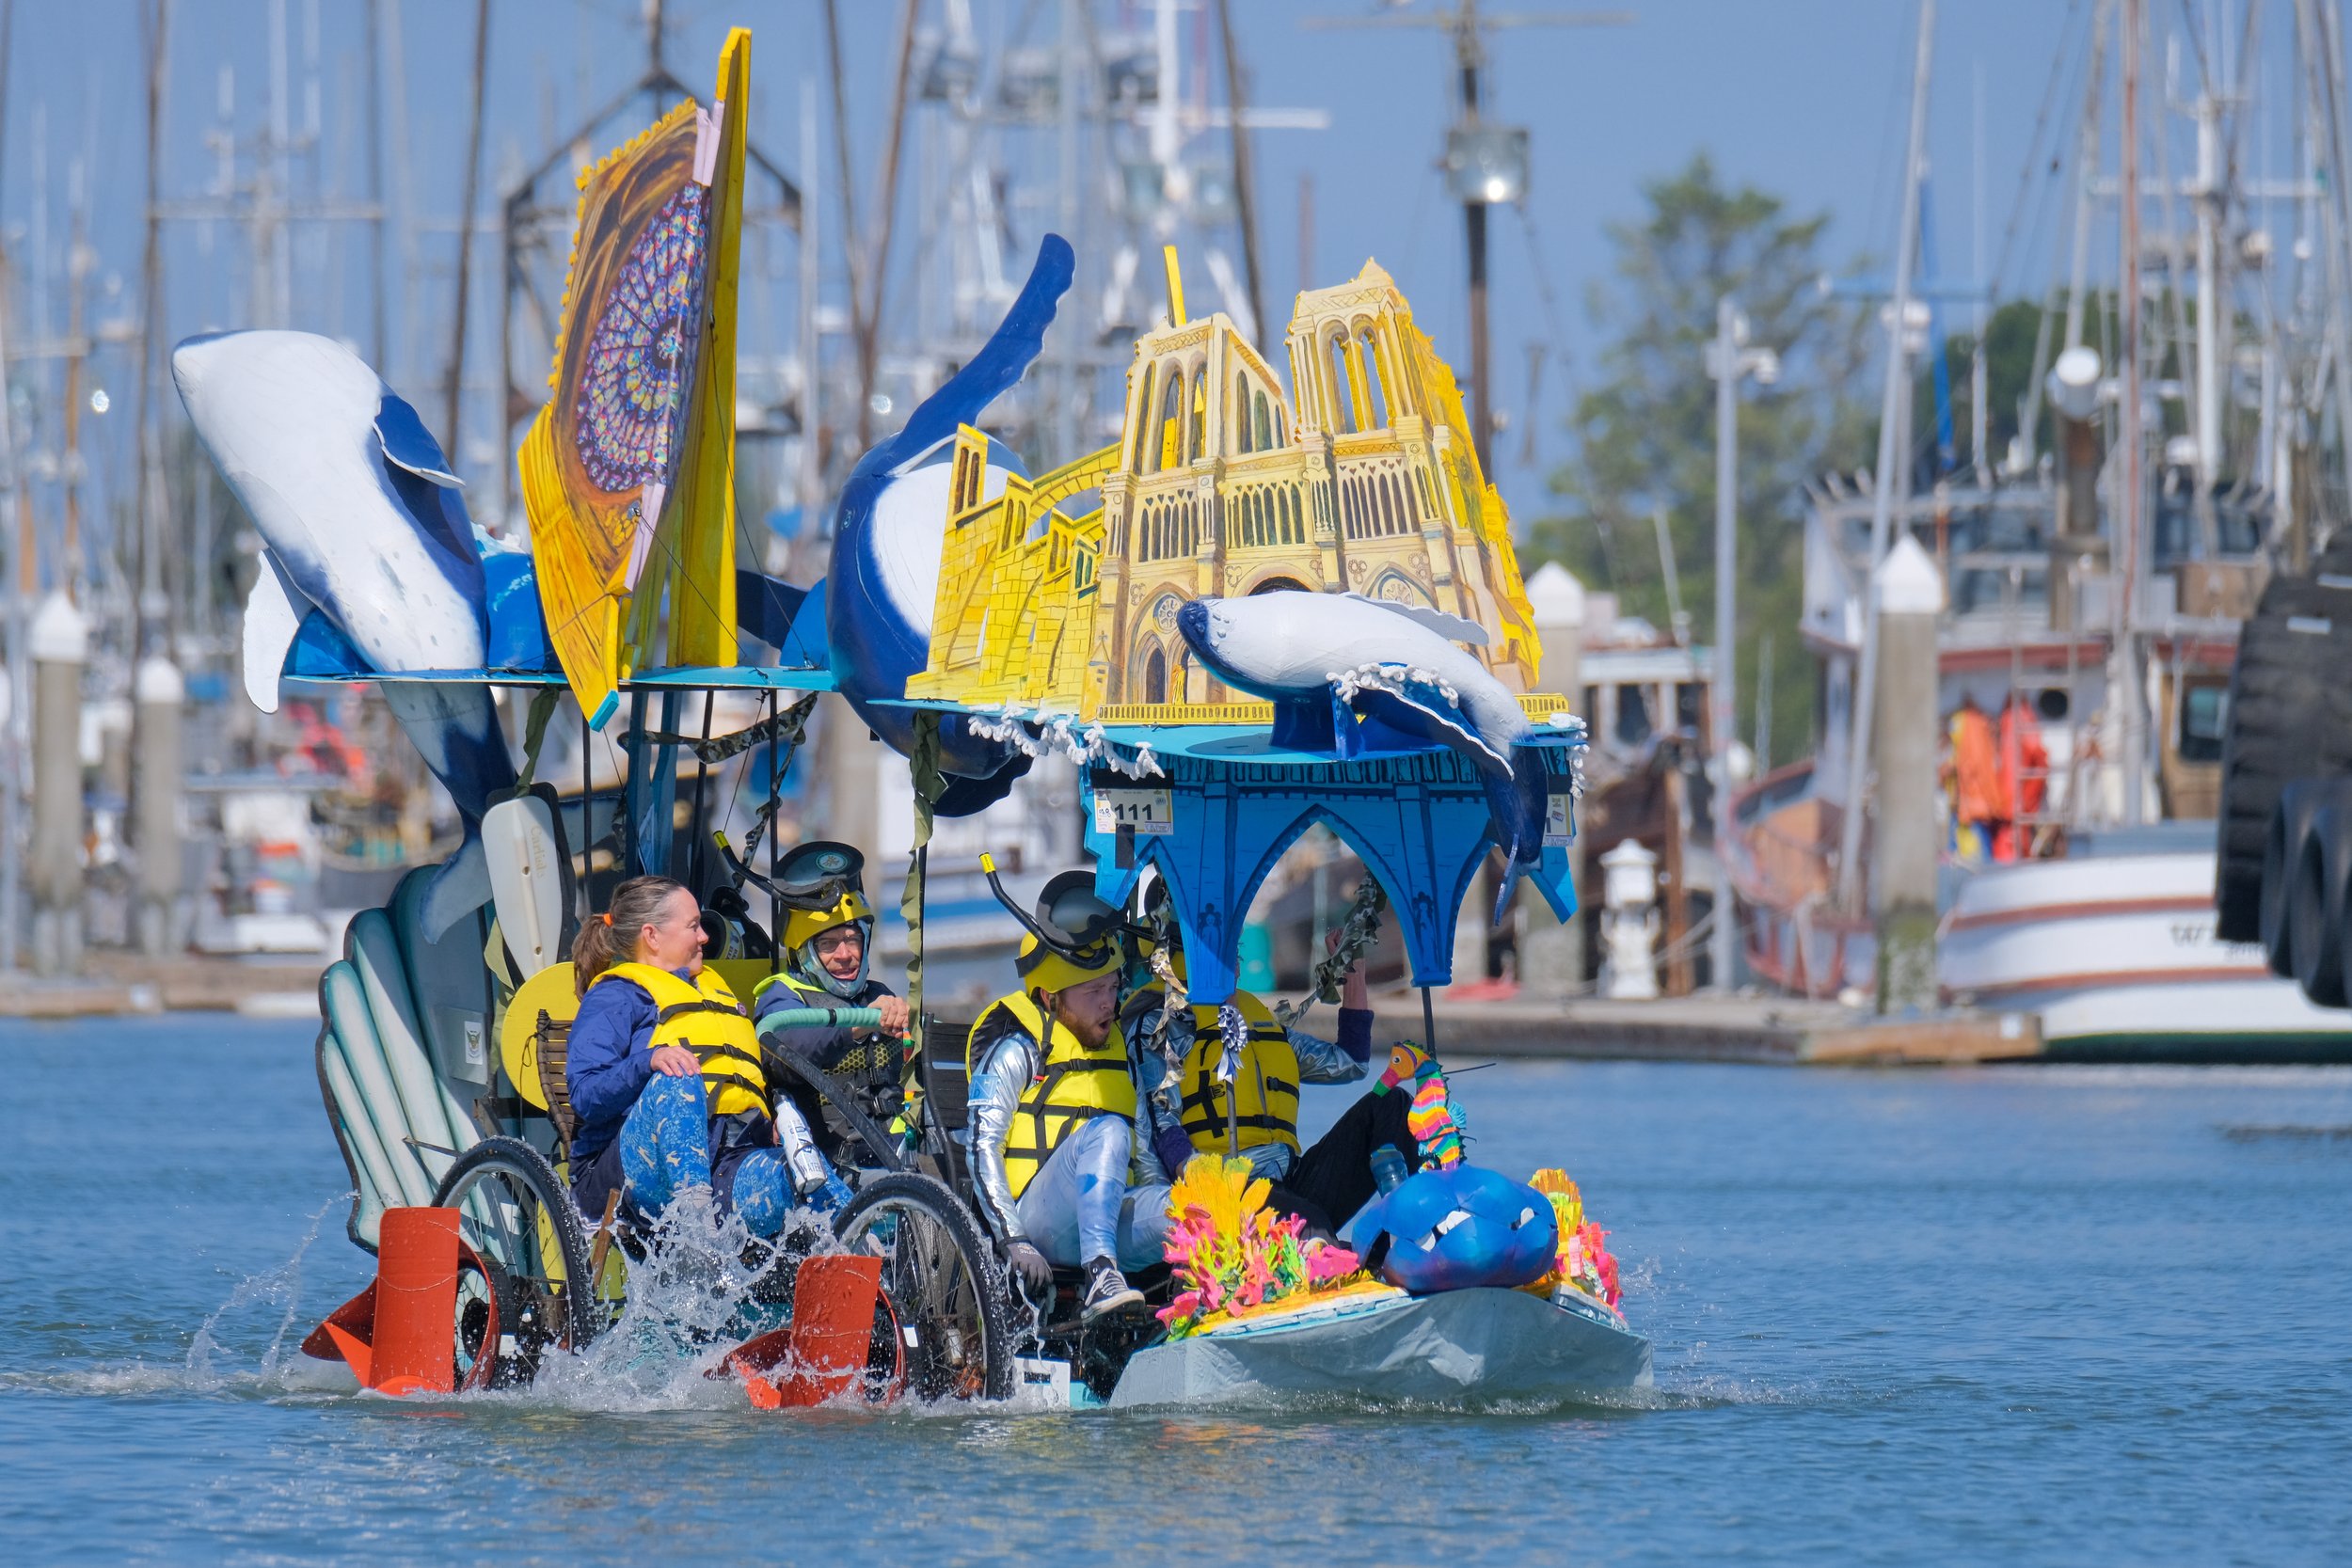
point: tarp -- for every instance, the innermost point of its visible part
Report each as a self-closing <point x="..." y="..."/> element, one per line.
<point x="1480" y="1347"/>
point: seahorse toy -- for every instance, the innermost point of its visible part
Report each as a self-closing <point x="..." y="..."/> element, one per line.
<point x="1431" y="1118"/>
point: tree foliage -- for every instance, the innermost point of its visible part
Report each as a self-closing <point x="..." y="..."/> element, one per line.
<point x="1645" y="435"/>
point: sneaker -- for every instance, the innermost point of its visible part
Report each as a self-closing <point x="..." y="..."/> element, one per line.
<point x="1107" y="1290"/>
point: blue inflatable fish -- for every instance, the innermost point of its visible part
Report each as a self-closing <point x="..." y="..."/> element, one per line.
<point x="1455" y="1229"/>
<point x="892" y="519"/>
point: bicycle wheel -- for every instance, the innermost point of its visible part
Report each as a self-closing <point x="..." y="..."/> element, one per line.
<point x="955" y="1318"/>
<point x="533" y="1290"/>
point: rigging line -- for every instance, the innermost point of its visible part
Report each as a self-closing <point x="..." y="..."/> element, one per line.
<point x="2248" y="39"/>
<point x="2197" y="46"/>
<point x="2061" y="59"/>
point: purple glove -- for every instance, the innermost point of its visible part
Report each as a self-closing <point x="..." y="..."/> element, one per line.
<point x="1173" y="1147"/>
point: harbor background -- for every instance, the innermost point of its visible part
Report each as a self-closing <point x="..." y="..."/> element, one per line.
<point x="2044" y="1315"/>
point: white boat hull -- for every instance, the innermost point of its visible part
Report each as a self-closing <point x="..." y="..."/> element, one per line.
<point x="2119" y="952"/>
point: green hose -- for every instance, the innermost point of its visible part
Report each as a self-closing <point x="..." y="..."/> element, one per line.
<point x="822" y="1018"/>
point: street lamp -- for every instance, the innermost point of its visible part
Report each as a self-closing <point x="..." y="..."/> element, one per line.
<point x="1730" y="361"/>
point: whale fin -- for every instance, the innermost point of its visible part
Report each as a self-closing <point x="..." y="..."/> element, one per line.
<point x="1414" y="708"/>
<point x="1453" y="628"/>
<point x="272" y="617"/>
<point x="767" y="609"/>
<point x="461" y="886"/>
<point x="966" y="796"/>
<point x="400" y="431"/>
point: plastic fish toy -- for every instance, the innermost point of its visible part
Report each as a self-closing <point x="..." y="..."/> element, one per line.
<point x="1454" y="1229"/>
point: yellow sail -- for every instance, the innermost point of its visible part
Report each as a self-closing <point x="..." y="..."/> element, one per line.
<point x="626" y="474"/>
<point x="702" y="592"/>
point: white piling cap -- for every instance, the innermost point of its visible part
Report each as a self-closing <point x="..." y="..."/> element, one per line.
<point x="60" y="634"/>
<point x="1555" y="595"/>
<point x="1908" y="585"/>
<point x="158" y="682"/>
<point x="2074" y="382"/>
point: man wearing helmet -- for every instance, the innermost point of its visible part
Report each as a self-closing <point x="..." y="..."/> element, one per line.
<point x="1052" y="1105"/>
<point x="828" y="942"/>
<point x="828" y="939"/>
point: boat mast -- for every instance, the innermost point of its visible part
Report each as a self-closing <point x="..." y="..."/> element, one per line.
<point x="2124" y="679"/>
<point x="1894" y="467"/>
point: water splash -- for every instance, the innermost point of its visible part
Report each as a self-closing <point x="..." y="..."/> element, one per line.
<point x="282" y="1284"/>
<point x="704" y="1285"/>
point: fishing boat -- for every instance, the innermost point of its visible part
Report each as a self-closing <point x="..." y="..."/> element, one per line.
<point x="2092" y="637"/>
<point x="1277" y="614"/>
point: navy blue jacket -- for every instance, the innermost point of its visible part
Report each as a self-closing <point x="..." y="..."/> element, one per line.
<point x="606" y="1065"/>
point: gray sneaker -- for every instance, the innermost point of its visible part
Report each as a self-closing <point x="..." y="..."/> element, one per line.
<point x="1107" y="1290"/>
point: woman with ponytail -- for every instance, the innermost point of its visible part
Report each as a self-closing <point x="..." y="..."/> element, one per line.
<point x="664" y="1073"/>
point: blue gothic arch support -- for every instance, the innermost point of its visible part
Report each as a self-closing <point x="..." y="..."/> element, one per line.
<point x="1420" y="821"/>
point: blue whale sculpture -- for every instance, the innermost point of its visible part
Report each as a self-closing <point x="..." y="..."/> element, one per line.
<point x="888" y="528"/>
<point x="362" y="525"/>
<point x="1316" y="654"/>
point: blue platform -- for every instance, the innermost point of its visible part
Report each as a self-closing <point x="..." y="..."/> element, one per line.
<point x="1419" y="818"/>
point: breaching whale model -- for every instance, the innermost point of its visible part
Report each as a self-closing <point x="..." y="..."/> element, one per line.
<point x="1395" y="664"/>
<point x="884" y="582"/>
<point x="362" y="523"/>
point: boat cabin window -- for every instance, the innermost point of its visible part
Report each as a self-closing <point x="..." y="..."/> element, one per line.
<point x="2204" y="719"/>
<point x="2053" y="704"/>
<point x="1634" y="724"/>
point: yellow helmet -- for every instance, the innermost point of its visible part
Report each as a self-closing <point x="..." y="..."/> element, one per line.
<point x="1050" y="969"/>
<point x="803" y="927"/>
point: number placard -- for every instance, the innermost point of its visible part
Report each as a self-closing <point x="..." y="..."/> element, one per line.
<point x="1559" y="821"/>
<point x="1144" y="810"/>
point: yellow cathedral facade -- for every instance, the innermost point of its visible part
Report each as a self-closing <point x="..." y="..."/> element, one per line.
<point x="1366" y="482"/>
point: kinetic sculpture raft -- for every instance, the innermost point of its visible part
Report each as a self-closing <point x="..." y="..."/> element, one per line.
<point x="1250" y="615"/>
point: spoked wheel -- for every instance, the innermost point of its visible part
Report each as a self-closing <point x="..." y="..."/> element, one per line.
<point x="527" y="1288"/>
<point x="955" y="1321"/>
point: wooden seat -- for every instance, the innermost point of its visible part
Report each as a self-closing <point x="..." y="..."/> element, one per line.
<point x="551" y="1035"/>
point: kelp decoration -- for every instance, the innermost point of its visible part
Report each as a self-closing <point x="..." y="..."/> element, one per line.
<point x="1585" y="1260"/>
<point x="627" y="436"/>
<point x="1232" y="1255"/>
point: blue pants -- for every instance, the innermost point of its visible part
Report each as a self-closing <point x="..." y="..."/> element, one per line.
<point x="1079" y="1207"/>
<point x="665" y="1148"/>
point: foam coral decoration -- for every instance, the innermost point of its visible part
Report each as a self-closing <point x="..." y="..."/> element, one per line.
<point x="1232" y="1254"/>
<point x="1585" y="1260"/>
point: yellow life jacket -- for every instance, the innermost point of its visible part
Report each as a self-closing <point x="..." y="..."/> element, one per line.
<point x="1073" y="1086"/>
<point x="807" y="995"/>
<point x="703" y="1016"/>
<point x="1265" y="1091"/>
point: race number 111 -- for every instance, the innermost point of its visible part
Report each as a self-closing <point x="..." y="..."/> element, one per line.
<point x="1142" y="811"/>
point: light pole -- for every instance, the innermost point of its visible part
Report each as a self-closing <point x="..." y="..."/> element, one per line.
<point x="1729" y="360"/>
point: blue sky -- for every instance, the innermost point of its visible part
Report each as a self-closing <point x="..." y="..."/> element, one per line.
<point x="1803" y="97"/>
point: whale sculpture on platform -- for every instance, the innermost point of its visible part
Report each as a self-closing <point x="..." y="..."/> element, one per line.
<point x="363" y="526"/>
<point x="884" y="582"/>
<point x="1391" y="665"/>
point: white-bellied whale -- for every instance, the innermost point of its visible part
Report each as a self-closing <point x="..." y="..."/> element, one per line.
<point x="888" y="531"/>
<point x="1393" y="664"/>
<point x="362" y="522"/>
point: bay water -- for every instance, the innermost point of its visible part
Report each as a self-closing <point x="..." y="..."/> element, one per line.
<point x="2023" y="1314"/>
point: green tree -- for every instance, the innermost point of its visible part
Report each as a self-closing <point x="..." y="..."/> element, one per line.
<point x="1645" y="435"/>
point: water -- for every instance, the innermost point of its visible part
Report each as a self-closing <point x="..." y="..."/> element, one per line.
<point x="2057" y="1316"/>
